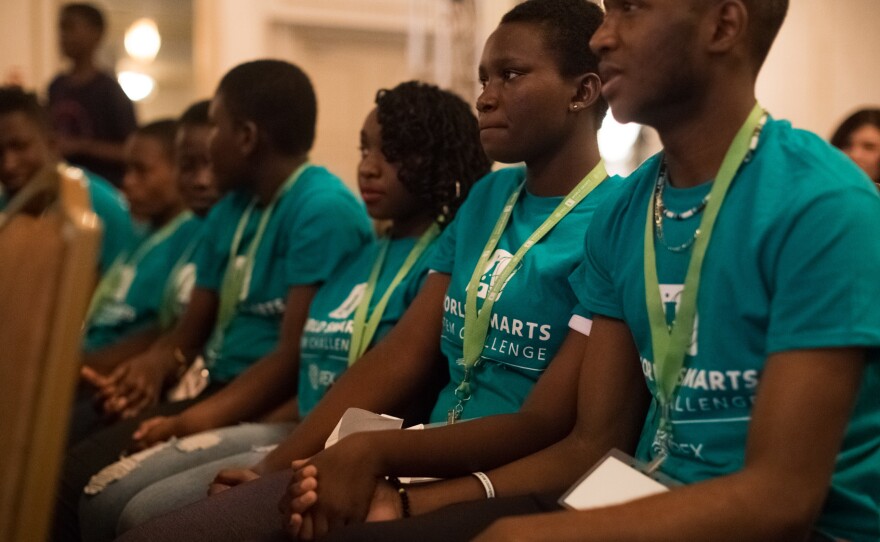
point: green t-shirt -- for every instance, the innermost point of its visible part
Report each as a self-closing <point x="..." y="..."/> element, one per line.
<point x="327" y="334"/>
<point x="137" y="301"/>
<point x="112" y="209"/>
<point x="530" y="318"/>
<point x="792" y="264"/>
<point x="316" y="226"/>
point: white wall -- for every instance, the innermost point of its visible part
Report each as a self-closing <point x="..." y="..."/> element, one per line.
<point x="824" y="63"/>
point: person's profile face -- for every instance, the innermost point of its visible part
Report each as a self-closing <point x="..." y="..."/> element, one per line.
<point x="864" y="149"/>
<point x="649" y="57"/>
<point x="24" y="150"/>
<point x="385" y="197"/>
<point x="194" y="176"/>
<point x="523" y="108"/>
<point x="149" y="183"/>
<point x="228" y="160"/>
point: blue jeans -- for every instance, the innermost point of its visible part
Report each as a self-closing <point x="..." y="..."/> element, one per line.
<point x="205" y="453"/>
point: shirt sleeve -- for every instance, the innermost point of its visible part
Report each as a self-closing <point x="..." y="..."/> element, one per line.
<point x="211" y="253"/>
<point x="824" y="285"/>
<point x="591" y="280"/>
<point x="442" y="258"/>
<point x="325" y="233"/>
<point x="118" y="234"/>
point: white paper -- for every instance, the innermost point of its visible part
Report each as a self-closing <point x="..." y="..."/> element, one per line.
<point x="612" y="482"/>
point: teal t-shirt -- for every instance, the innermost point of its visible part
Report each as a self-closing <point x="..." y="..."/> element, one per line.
<point x="111" y="207"/>
<point x="108" y="203"/>
<point x="137" y="302"/>
<point x="327" y="334"/>
<point x="530" y="318"/>
<point x="315" y="227"/>
<point x="792" y="264"/>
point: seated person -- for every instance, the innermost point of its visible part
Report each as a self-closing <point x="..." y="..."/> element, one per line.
<point x="756" y="351"/>
<point x="414" y="185"/>
<point x="28" y="146"/>
<point x="505" y="277"/>
<point x="264" y="255"/>
<point x="123" y="319"/>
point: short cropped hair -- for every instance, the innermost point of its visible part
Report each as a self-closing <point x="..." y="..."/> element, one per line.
<point x="278" y="97"/>
<point x="14" y="99"/>
<point x="568" y="26"/>
<point x="766" y="18"/>
<point x="88" y="13"/>
<point x="162" y="131"/>
<point x="433" y="137"/>
<point x="196" y="114"/>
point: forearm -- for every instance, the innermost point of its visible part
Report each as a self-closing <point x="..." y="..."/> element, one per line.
<point x="264" y="386"/>
<point x="459" y="449"/>
<point x="736" y="508"/>
<point x="106" y="359"/>
<point x="554" y="468"/>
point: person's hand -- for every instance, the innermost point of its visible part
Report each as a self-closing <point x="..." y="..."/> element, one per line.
<point x="331" y="489"/>
<point x="136" y="384"/>
<point x="158" y="429"/>
<point x="229" y="478"/>
<point x="384" y="506"/>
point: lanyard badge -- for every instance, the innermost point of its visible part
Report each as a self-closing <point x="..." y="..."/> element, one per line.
<point x="476" y="321"/>
<point x="363" y="328"/>
<point x="670" y="343"/>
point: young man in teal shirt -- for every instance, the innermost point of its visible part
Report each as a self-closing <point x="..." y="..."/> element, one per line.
<point x="27" y="146"/>
<point x="282" y="229"/>
<point x="766" y="403"/>
<point x="123" y="319"/>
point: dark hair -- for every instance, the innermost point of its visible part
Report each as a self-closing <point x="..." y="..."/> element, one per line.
<point x="841" y="137"/>
<point x="433" y="137"/>
<point x="196" y="114"/>
<point x="278" y="97"/>
<point x="766" y="17"/>
<point x="163" y="131"/>
<point x="88" y="13"/>
<point x="567" y="26"/>
<point x="14" y="99"/>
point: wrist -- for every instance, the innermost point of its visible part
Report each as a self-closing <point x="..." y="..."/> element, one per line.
<point x="402" y="504"/>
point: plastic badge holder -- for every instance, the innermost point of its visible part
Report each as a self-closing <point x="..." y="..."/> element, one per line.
<point x="615" y="479"/>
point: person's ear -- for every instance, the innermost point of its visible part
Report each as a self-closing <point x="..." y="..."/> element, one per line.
<point x="589" y="91"/>
<point x="248" y="136"/>
<point x="730" y="23"/>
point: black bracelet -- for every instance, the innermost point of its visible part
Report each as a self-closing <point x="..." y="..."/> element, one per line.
<point x="404" y="497"/>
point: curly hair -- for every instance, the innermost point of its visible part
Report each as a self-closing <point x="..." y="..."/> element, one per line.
<point x="433" y="137"/>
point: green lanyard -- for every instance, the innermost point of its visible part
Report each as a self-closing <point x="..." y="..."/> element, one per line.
<point x="670" y="343"/>
<point x="168" y="311"/>
<point x="237" y="277"/>
<point x="117" y="280"/>
<point x="363" y="328"/>
<point x="476" y="322"/>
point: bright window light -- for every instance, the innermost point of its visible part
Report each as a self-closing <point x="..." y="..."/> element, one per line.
<point x="616" y="140"/>
<point x="142" y="40"/>
<point x="137" y="86"/>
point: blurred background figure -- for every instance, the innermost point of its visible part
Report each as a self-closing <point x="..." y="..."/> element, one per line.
<point x="859" y="137"/>
<point x="91" y="114"/>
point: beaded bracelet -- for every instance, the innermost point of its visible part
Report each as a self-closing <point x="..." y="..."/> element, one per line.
<point x="404" y="496"/>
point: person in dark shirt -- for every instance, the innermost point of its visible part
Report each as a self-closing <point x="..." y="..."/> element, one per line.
<point x="91" y="114"/>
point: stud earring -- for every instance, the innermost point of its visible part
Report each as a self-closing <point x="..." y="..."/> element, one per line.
<point x="574" y="107"/>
